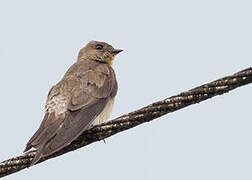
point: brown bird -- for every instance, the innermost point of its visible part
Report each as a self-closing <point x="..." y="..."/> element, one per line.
<point x="83" y="98"/>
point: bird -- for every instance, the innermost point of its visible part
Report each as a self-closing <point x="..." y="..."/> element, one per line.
<point x="84" y="97"/>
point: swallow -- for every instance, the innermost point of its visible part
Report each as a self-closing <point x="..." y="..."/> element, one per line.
<point x="84" y="97"/>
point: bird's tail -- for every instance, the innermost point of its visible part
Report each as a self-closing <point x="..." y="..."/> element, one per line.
<point x="40" y="150"/>
<point x="37" y="156"/>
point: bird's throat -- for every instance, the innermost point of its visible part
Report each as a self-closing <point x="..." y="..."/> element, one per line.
<point x="110" y="62"/>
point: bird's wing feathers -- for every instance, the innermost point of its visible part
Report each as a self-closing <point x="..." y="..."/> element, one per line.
<point x="73" y="126"/>
<point x="90" y="91"/>
<point x="45" y="130"/>
<point x="95" y="85"/>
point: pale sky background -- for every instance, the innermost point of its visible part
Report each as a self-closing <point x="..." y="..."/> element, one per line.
<point x="169" y="47"/>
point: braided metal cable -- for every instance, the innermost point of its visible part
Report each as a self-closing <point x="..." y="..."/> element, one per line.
<point x="135" y="118"/>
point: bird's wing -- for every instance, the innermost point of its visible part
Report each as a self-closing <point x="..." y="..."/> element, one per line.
<point x="87" y="102"/>
<point x="94" y="85"/>
<point x="90" y="92"/>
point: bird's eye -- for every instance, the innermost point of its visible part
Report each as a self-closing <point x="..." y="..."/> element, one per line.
<point x="99" y="46"/>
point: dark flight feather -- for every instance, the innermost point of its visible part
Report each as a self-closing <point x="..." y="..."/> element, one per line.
<point x="74" y="125"/>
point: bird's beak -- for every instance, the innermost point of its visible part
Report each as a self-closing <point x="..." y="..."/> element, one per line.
<point x="115" y="51"/>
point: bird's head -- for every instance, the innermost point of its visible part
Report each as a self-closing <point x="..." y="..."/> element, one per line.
<point x="98" y="51"/>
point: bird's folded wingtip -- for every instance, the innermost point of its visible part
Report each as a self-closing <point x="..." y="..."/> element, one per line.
<point x="28" y="147"/>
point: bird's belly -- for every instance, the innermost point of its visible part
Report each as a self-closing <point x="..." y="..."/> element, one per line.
<point x="105" y="114"/>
